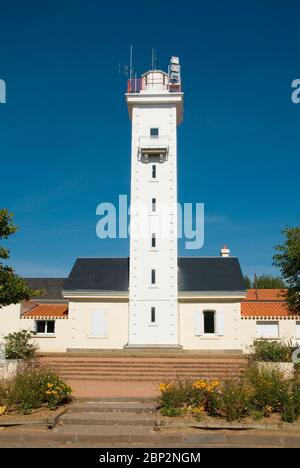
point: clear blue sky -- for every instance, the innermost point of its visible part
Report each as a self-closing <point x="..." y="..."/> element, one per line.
<point x="65" y="133"/>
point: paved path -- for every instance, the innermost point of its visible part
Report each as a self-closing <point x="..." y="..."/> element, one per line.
<point x="98" y="389"/>
<point x="193" y="439"/>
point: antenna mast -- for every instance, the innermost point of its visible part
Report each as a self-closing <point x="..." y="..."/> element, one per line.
<point x="131" y="62"/>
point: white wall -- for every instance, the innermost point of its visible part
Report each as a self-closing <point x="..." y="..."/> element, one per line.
<point x="287" y="331"/>
<point x="10" y="321"/>
<point x="80" y="334"/>
<point x="231" y="323"/>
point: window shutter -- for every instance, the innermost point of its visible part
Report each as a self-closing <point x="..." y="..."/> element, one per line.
<point x="98" y="323"/>
<point x="198" y="322"/>
<point x="220" y="322"/>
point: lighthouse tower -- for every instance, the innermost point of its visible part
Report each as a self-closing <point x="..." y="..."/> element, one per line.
<point x="155" y="104"/>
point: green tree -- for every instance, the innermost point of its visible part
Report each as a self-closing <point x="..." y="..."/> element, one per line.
<point x="13" y="288"/>
<point x="264" y="282"/>
<point x="248" y="283"/>
<point x="288" y="261"/>
<point x="268" y="282"/>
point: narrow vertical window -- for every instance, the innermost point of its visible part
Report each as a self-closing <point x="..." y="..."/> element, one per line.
<point x="153" y="318"/>
<point x="153" y="205"/>
<point x="153" y="241"/>
<point x="153" y="279"/>
<point x="209" y="321"/>
<point x="153" y="171"/>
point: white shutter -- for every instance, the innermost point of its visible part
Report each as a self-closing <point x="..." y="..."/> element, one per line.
<point x="220" y="322"/>
<point x="198" y="317"/>
<point x="267" y="329"/>
<point x="98" y="323"/>
<point x="297" y="329"/>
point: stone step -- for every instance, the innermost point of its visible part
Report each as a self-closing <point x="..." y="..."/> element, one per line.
<point x="147" y="374"/>
<point x="108" y="419"/>
<point x="110" y="434"/>
<point x="145" y="362"/>
<point x="112" y="407"/>
<point x="140" y="379"/>
<point x="118" y="367"/>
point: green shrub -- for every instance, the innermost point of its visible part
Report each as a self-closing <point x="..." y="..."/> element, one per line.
<point x="271" y="351"/>
<point x="186" y="395"/>
<point x="33" y="386"/>
<point x="270" y="389"/>
<point x="171" y="412"/>
<point x="291" y="409"/>
<point x="18" y="346"/>
<point x="232" y="400"/>
<point x="181" y="394"/>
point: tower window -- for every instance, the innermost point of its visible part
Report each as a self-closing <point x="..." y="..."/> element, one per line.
<point x="153" y="278"/>
<point x="154" y="132"/>
<point x="153" y="318"/>
<point x="153" y="205"/>
<point x="153" y="241"/>
<point x="209" y="321"/>
<point x="153" y="171"/>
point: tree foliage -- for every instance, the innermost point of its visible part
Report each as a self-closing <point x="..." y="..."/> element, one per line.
<point x="13" y="288"/>
<point x="287" y="259"/>
<point x="264" y="282"/>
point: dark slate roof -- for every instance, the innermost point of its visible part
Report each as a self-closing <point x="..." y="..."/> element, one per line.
<point x="194" y="274"/>
<point x="102" y="274"/>
<point x="52" y="287"/>
<point x="210" y="274"/>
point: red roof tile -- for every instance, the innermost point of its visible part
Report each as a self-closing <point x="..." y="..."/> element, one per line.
<point x="47" y="311"/>
<point x="265" y="310"/>
<point x="265" y="295"/>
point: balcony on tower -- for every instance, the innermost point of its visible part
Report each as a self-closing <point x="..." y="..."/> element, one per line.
<point x="153" y="149"/>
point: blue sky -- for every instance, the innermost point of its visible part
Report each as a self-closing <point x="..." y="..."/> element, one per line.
<point x="65" y="132"/>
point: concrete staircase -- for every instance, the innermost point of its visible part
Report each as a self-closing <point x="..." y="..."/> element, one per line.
<point x="147" y="369"/>
<point x="109" y="421"/>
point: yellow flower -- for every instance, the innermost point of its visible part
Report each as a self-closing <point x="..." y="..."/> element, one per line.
<point x="215" y="383"/>
<point x="268" y="409"/>
<point x="164" y="387"/>
<point x="2" y="410"/>
<point x="198" y="410"/>
<point x="49" y="385"/>
<point x="200" y="384"/>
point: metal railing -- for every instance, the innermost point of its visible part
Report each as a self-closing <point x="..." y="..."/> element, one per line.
<point x="136" y="85"/>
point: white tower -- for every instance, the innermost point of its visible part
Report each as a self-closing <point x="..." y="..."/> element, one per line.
<point x="155" y="104"/>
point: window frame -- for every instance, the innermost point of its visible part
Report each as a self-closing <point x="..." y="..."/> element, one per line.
<point x="211" y="311"/>
<point x="153" y="171"/>
<point x="46" y="332"/>
<point x="153" y="241"/>
<point x="153" y="205"/>
<point x="156" y="132"/>
<point x="153" y="315"/>
<point x="153" y="277"/>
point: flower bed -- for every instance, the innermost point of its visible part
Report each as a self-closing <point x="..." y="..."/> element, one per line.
<point x="258" y="394"/>
<point x="33" y="386"/>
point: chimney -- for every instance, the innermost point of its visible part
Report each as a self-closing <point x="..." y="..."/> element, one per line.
<point x="225" y="252"/>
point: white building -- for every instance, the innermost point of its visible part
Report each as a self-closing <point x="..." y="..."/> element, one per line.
<point x="153" y="299"/>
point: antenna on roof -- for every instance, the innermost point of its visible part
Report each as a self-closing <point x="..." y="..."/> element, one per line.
<point x="131" y="62"/>
<point x="154" y="59"/>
